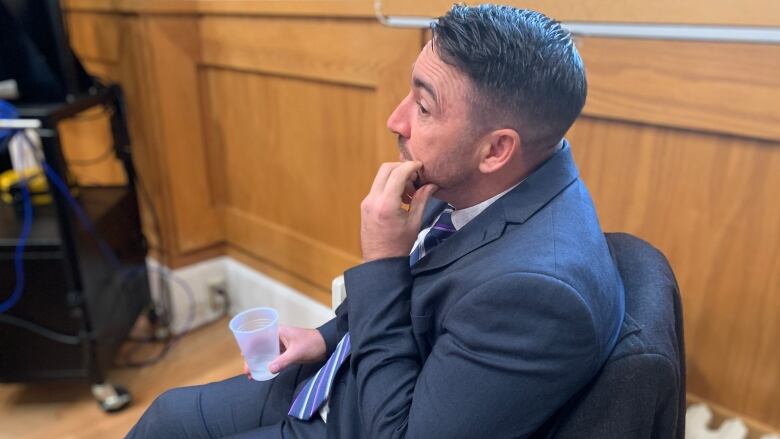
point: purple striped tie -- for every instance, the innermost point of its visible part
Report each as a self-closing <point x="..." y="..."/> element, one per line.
<point x="440" y="231"/>
<point x="315" y="392"/>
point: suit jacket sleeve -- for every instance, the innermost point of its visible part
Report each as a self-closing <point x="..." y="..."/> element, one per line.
<point x="508" y="354"/>
<point x="334" y="330"/>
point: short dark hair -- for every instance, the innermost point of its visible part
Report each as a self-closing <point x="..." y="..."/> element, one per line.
<point x="518" y="60"/>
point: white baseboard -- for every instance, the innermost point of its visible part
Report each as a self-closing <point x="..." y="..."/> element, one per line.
<point x="245" y="287"/>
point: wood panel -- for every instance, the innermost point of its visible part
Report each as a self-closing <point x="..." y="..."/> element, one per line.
<point x="744" y="12"/>
<point x="138" y="86"/>
<point x="288" y="162"/>
<point x="173" y="50"/>
<point x="710" y="204"/>
<point x="94" y="37"/>
<point x="287" y="8"/>
<point x="716" y="87"/>
<point x="353" y="52"/>
<point x="298" y="118"/>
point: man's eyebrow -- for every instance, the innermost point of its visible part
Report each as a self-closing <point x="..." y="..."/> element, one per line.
<point x="419" y="83"/>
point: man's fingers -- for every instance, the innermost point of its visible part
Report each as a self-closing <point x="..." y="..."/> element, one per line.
<point x="400" y="176"/>
<point x="380" y="180"/>
<point x="417" y="206"/>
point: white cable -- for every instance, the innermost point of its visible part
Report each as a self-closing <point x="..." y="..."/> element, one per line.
<point x="26" y="152"/>
<point x="19" y="124"/>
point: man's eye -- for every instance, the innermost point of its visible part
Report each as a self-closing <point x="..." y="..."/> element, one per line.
<point x="421" y="108"/>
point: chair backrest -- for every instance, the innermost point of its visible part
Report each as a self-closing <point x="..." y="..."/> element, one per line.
<point x="640" y="390"/>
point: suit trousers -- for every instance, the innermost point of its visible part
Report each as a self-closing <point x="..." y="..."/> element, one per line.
<point x="234" y="408"/>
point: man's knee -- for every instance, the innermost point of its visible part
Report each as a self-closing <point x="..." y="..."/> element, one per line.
<point x="175" y="413"/>
<point x="171" y="401"/>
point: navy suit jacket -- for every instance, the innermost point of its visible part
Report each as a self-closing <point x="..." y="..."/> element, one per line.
<point x="491" y="332"/>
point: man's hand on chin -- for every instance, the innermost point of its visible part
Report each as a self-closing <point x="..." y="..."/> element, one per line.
<point x="388" y="229"/>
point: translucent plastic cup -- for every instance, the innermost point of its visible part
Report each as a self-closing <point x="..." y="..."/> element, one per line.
<point x="257" y="333"/>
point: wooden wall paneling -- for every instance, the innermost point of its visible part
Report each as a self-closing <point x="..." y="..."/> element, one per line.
<point x="711" y="12"/>
<point x="289" y="173"/>
<point x="173" y="56"/>
<point x="710" y="204"/>
<point x="214" y="141"/>
<point x="330" y="50"/>
<point x="139" y="86"/>
<point x="94" y="36"/>
<point x="286" y="8"/>
<point x="292" y="182"/>
<point x="314" y="8"/>
<point x="103" y="71"/>
<point x="301" y="109"/>
<point x="715" y="87"/>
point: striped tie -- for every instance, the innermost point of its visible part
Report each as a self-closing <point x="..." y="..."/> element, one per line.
<point x="316" y="391"/>
<point x="440" y="231"/>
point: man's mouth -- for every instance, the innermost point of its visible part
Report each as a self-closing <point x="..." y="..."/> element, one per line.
<point x="404" y="155"/>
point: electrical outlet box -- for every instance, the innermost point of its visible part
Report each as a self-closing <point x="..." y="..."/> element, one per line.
<point x="218" y="299"/>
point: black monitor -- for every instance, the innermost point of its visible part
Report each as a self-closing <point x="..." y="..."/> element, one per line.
<point x="35" y="52"/>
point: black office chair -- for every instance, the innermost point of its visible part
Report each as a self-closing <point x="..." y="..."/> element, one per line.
<point x="640" y="391"/>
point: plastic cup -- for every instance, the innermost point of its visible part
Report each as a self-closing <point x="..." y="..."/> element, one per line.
<point x="257" y="333"/>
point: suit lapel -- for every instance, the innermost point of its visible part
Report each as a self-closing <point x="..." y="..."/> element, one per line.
<point x="517" y="206"/>
<point x="432" y="211"/>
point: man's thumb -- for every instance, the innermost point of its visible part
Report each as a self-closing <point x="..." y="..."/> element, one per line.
<point x="421" y="197"/>
<point x="280" y="363"/>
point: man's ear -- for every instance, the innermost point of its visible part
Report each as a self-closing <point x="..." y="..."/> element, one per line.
<point x="499" y="148"/>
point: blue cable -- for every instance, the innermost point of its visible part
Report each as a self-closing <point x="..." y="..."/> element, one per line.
<point x="18" y="255"/>
<point x="83" y="218"/>
<point x="87" y="223"/>
<point x="7" y="111"/>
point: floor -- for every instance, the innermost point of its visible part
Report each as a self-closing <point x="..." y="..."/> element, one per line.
<point x="67" y="409"/>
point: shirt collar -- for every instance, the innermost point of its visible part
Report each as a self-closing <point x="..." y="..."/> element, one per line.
<point x="461" y="217"/>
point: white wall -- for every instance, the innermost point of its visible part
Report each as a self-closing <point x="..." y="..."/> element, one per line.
<point x="245" y="287"/>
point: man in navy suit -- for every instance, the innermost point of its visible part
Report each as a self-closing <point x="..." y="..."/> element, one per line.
<point x="477" y="313"/>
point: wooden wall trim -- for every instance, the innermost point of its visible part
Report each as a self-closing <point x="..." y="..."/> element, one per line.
<point x="288" y="8"/>
<point x="290" y="249"/>
<point x="269" y="268"/>
<point x="294" y="48"/>
<point x="723" y="88"/>
<point x="720" y="12"/>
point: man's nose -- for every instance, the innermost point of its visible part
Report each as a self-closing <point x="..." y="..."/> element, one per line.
<point x="398" y="122"/>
